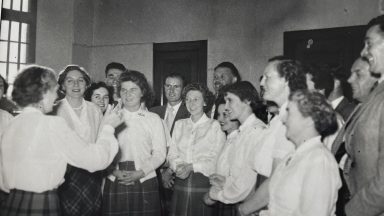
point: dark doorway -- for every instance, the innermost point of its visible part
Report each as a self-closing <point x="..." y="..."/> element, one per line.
<point x="187" y="58"/>
<point x="333" y="46"/>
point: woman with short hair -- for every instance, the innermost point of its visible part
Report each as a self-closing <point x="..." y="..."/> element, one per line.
<point x="195" y="145"/>
<point x="81" y="192"/>
<point x="100" y="94"/>
<point x="132" y="188"/>
<point x="36" y="148"/>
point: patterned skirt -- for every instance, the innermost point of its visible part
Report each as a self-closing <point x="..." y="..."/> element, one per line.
<point x="188" y="196"/>
<point x="139" y="199"/>
<point x="24" y="203"/>
<point x="221" y="209"/>
<point x="80" y="194"/>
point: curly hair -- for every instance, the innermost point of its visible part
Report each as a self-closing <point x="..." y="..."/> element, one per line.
<point x="246" y="91"/>
<point x="321" y="77"/>
<point x="379" y="20"/>
<point x="32" y="83"/>
<point x="314" y="105"/>
<point x="89" y="91"/>
<point x="208" y="96"/>
<point x="232" y="68"/>
<point x="139" y="79"/>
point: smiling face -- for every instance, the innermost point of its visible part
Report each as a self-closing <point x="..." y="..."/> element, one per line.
<point x="173" y="87"/>
<point x="222" y="76"/>
<point x="100" y="97"/>
<point x="374" y="49"/>
<point x="294" y="121"/>
<point x="194" y="102"/>
<point x="131" y="95"/>
<point x="236" y="108"/>
<point x="113" y="76"/>
<point x="275" y="87"/>
<point x="74" y="84"/>
<point x="361" y="80"/>
<point x="225" y="122"/>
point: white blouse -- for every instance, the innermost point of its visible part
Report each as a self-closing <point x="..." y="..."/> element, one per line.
<point x="234" y="162"/>
<point x="275" y="145"/>
<point x="306" y="182"/>
<point x="198" y="143"/>
<point x="143" y="141"/>
<point x="36" y="148"/>
<point x="87" y="123"/>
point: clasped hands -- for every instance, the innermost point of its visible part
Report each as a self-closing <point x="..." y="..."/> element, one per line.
<point x="128" y="177"/>
<point x="183" y="170"/>
<point x="217" y="181"/>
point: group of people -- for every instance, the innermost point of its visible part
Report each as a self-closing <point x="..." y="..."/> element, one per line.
<point x="299" y="147"/>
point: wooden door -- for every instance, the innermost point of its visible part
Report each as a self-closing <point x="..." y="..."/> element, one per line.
<point x="187" y="58"/>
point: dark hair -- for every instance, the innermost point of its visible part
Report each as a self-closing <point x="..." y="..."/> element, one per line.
<point x="5" y="85"/>
<point x="114" y="65"/>
<point x="246" y="91"/>
<point x="219" y="100"/>
<point x="89" y="91"/>
<point x="175" y="75"/>
<point x="339" y="73"/>
<point x="321" y="77"/>
<point x="379" y="20"/>
<point x="292" y="71"/>
<point x="232" y="68"/>
<point x="315" y="105"/>
<point x="208" y="97"/>
<point x="31" y="83"/>
<point x="139" y="79"/>
<point x="63" y="74"/>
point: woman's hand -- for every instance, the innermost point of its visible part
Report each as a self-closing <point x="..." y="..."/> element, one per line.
<point x="207" y="200"/>
<point x="217" y="180"/>
<point x="167" y="178"/>
<point x="128" y="177"/>
<point x="183" y="170"/>
<point x="113" y="116"/>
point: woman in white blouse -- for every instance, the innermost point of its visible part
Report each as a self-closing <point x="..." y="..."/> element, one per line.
<point x="306" y="182"/>
<point x="36" y="148"/>
<point x="132" y="188"/>
<point x="5" y="119"/>
<point x="195" y="146"/>
<point x="235" y="178"/>
<point x="81" y="192"/>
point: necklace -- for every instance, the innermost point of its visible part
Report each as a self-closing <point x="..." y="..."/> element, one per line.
<point x="78" y="108"/>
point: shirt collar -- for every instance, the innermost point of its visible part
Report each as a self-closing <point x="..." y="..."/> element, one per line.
<point x="336" y="102"/>
<point x="233" y="134"/>
<point x="248" y="122"/>
<point x="175" y="108"/>
<point x="309" y="144"/>
<point x="202" y="120"/>
<point x="128" y="113"/>
<point x="283" y="111"/>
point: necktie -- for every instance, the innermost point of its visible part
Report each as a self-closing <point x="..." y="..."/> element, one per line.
<point x="170" y="117"/>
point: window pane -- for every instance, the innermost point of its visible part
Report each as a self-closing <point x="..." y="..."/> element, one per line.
<point x="7" y="4"/>
<point x="16" y="5"/>
<point x="24" y="32"/>
<point x="13" y="50"/>
<point x="3" y="70"/>
<point x="23" y="53"/>
<point x="3" y="50"/>
<point x="15" y="31"/>
<point x="12" y="73"/>
<point x="25" y="6"/>
<point x="4" y="29"/>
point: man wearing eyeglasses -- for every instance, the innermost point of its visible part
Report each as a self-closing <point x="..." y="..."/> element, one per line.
<point x="171" y="112"/>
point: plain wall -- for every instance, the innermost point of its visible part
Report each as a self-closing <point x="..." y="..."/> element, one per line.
<point x="246" y="32"/>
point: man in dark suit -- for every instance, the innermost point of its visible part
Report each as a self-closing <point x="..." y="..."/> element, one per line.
<point x="362" y="83"/>
<point x="171" y="112"/>
<point x="364" y="135"/>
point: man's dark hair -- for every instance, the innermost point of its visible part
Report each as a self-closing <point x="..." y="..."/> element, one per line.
<point x="232" y="67"/>
<point x="379" y="20"/>
<point x="175" y="75"/>
<point x="114" y="65"/>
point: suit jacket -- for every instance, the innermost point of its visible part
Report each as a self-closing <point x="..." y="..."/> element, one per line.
<point x="345" y="108"/>
<point x="182" y="113"/>
<point x="364" y="142"/>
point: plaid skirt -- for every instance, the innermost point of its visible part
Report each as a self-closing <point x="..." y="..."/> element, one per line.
<point x="221" y="209"/>
<point x="188" y="196"/>
<point x="24" y="203"/>
<point x="80" y="194"/>
<point x="133" y="200"/>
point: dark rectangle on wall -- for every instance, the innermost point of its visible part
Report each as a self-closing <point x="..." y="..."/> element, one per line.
<point x="187" y="58"/>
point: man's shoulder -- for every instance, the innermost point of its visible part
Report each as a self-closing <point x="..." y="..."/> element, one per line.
<point x="157" y="109"/>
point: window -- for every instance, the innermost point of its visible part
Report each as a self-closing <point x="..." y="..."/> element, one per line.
<point x="17" y="37"/>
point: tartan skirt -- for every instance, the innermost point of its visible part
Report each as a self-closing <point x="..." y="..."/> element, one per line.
<point x="133" y="200"/>
<point x="221" y="209"/>
<point x="187" y="199"/>
<point x="80" y="194"/>
<point x="24" y="203"/>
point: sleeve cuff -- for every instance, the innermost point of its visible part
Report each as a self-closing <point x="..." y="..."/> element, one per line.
<point x="147" y="168"/>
